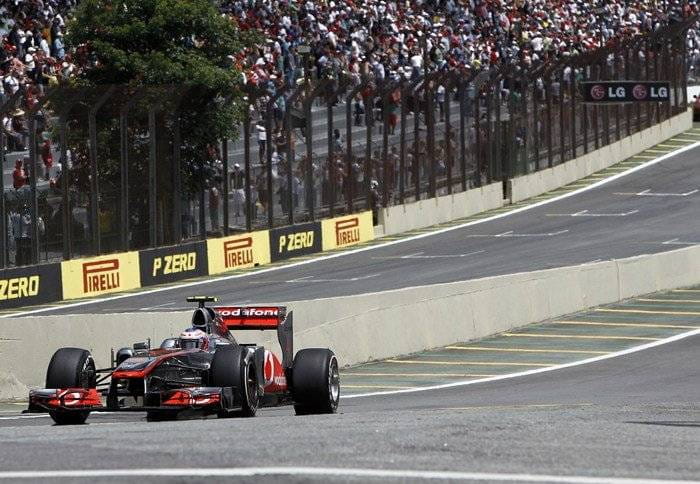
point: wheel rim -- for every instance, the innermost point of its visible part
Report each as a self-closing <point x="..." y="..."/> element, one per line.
<point x="87" y="374"/>
<point x="333" y="381"/>
<point x="251" y="387"/>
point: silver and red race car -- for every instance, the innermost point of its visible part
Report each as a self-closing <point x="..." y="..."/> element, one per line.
<point x="202" y="372"/>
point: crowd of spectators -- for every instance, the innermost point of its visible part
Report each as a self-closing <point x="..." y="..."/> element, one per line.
<point x="382" y="38"/>
<point x="33" y="56"/>
<point x="390" y="39"/>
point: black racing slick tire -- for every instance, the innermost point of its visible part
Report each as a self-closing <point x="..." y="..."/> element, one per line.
<point x="70" y="368"/>
<point x="316" y="382"/>
<point x="230" y="368"/>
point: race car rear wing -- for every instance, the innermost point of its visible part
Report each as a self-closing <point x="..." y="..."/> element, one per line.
<point x="263" y="318"/>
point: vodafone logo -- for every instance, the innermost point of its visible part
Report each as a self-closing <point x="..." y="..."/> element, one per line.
<point x="639" y="92"/>
<point x="597" y="92"/>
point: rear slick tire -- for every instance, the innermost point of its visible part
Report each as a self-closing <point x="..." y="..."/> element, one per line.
<point x="316" y="382"/>
<point x="70" y="368"/>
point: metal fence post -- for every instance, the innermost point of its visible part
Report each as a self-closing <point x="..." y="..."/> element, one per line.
<point x="349" y="158"/>
<point x="461" y="95"/>
<point x="416" y="134"/>
<point x="65" y="187"/>
<point x="563" y="125"/>
<point x="246" y="163"/>
<point x="177" y="176"/>
<point x="4" y="256"/>
<point x="94" y="182"/>
<point x="290" y="103"/>
<point x="402" y="143"/>
<point x="572" y="94"/>
<point x="3" y="208"/>
<point x="152" y="181"/>
<point x="548" y="117"/>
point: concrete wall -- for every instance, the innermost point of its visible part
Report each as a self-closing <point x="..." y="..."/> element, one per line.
<point x="523" y="187"/>
<point x="370" y="326"/>
<point x="401" y="218"/>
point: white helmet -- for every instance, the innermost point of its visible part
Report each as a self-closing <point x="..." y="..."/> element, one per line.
<point x="192" y="338"/>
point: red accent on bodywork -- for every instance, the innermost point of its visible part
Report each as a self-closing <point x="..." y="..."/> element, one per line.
<point x="188" y="397"/>
<point x="275" y="378"/>
<point x="250" y="317"/>
<point x="67" y="398"/>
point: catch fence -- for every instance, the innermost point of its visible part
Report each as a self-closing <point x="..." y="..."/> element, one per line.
<point x="124" y="176"/>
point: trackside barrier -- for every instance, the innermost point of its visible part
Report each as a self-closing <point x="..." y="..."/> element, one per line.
<point x="100" y="275"/>
<point x="295" y="240"/>
<point x="238" y="252"/>
<point x="524" y="187"/>
<point x="79" y="278"/>
<point x="171" y="264"/>
<point x="346" y="231"/>
<point x="401" y="218"/>
<point x="25" y="286"/>
<point x="370" y="326"/>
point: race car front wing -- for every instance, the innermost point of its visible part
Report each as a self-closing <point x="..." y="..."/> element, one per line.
<point x="194" y="398"/>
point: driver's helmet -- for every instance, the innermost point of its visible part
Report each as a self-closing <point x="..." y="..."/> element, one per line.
<point x="193" y="338"/>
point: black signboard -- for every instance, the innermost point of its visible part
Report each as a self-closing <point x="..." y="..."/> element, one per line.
<point x="170" y="264"/>
<point x="625" y="91"/>
<point x="26" y="286"/>
<point x="295" y="240"/>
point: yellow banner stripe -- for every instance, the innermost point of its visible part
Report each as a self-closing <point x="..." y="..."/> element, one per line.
<point x="630" y="325"/>
<point x="575" y="336"/>
<point x="375" y="386"/>
<point x="649" y="311"/>
<point x="475" y="375"/>
<point x="669" y="300"/>
<point x="466" y="363"/>
<point x="534" y="405"/>
<point x="524" y="350"/>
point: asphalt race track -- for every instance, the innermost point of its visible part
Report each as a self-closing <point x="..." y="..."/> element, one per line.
<point x="633" y="416"/>
<point x="651" y="210"/>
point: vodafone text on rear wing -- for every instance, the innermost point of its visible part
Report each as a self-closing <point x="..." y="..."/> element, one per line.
<point x="262" y="318"/>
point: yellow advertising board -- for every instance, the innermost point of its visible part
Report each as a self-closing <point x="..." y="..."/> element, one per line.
<point x="238" y="251"/>
<point x="348" y="230"/>
<point x="100" y="275"/>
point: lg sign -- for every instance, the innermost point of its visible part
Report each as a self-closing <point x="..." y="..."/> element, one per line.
<point x="625" y="91"/>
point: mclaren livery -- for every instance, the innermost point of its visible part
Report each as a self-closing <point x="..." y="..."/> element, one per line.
<point x="204" y="371"/>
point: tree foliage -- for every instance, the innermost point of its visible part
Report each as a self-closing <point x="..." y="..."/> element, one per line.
<point x="178" y="53"/>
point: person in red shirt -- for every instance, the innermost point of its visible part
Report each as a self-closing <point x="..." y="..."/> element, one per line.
<point x="19" y="178"/>
<point x="46" y="157"/>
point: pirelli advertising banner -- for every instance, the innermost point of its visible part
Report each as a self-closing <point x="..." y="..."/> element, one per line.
<point x="348" y="230"/>
<point x="100" y="275"/>
<point x="295" y="240"/>
<point x="238" y="251"/>
<point x="25" y="286"/>
<point x="170" y="264"/>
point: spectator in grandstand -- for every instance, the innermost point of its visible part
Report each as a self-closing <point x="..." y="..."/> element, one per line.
<point x="19" y="177"/>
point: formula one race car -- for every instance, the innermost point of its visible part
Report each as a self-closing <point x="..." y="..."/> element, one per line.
<point x="203" y="372"/>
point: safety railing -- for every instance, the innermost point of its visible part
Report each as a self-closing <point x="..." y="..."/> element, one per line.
<point x="100" y="170"/>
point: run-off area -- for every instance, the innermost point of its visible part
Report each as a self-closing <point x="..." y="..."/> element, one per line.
<point x="581" y="336"/>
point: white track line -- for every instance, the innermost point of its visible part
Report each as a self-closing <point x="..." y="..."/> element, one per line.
<point x="372" y="247"/>
<point x="616" y="354"/>
<point x="328" y="472"/>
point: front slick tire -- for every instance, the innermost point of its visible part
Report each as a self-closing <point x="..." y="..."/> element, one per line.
<point x="70" y="368"/>
<point x="316" y="382"/>
<point x="230" y="368"/>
